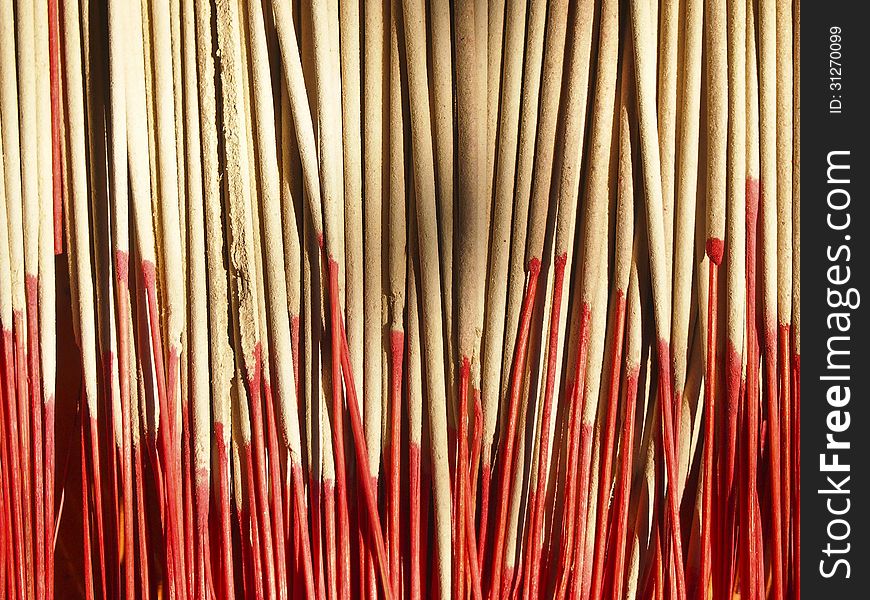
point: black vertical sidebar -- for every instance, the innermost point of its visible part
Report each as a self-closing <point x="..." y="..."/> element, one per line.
<point x="835" y="362"/>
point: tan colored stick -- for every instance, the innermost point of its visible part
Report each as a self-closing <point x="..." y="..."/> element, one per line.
<point x="220" y="353"/>
<point x="294" y="79"/>
<point x="432" y="338"/>
<point x="667" y="92"/>
<point x="441" y="85"/>
<point x="170" y="236"/>
<point x="501" y="354"/>
<point x="767" y="54"/>
<point x="641" y="31"/>
<point x="686" y="191"/>
<point x="242" y="264"/>
<point x="31" y="420"/>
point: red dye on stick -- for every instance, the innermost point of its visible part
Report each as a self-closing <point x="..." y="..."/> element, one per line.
<point x="671" y="463"/>
<point x="223" y="502"/>
<point x="607" y="447"/>
<point x="359" y="441"/>
<point x="35" y="389"/>
<point x="86" y="526"/>
<point x="414" y="533"/>
<point x="785" y="433"/>
<point x="507" y="468"/>
<point x="14" y="455"/>
<point x="796" y="470"/>
<point x="329" y="534"/>
<point x="459" y="562"/>
<point x="277" y="503"/>
<point x="624" y="487"/>
<point x="709" y="429"/>
<point x="301" y="516"/>
<point x="537" y="506"/>
<point x="343" y="556"/>
<point x="397" y="350"/>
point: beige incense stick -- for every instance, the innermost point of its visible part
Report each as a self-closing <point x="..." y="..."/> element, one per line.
<point x="796" y="208"/>
<point x="32" y="422"/>
<point x="242" y="260"/>
<point x="290" y="190"/>
<point x="471" y="255"/>
<point x="441" y="85"/>
<point x="170" y="236"/>
<point x="11" y="432"/>
<point x="221" y="366"/>
<point x="470" y="258"/>
<point x="499" y="241"/>
<point x="593" y="286"/>
<point x="796" y="298"/>
<point x="784" y="159"/>
<point x="623" y="251"/>
<point x="490" y="16"/>
<point x="432" y="338"/>
<point x="121" y="244"/>
<point x="641" y="31"/>
<point x="12" y="157"/>
<point x="545" y="146"/>
<point x="767" y="54"/>
<point x="272" y="305"/>
<point x="580" y="47"/>
<point x="524" y="169"/>
<point x="736" y="222"/>
<point x="686" y="190"/>
<point x="355" y="268"/>
<point x="78" y="204"/>
<point x="398" y="217"/>
<point x="299" y="107"/>
<point x="180" y="128"/>
<point x="397" y="274"/>
<point x="415" y="403"/>
<point x="667" y="88"/>
<point x="278" y="316"/>
<point x="374" y="218"/>
<point x="784" y="213"/>
<point x="324" y="15"/>
<point x="197" y="342"/>
<point x="715" y="40"/>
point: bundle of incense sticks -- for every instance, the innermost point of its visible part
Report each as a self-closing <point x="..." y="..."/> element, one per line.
<point x="334" y="299"/>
